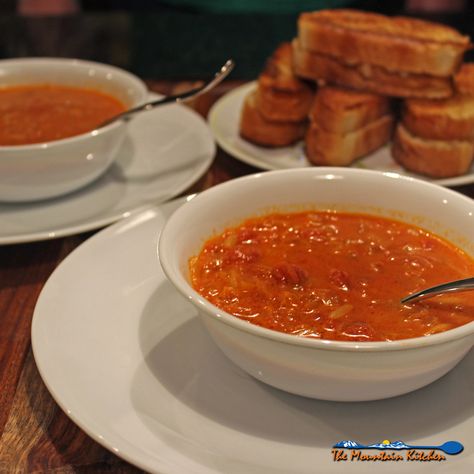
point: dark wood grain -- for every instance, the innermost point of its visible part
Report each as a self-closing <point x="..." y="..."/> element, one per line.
<point x="35" y="435"/>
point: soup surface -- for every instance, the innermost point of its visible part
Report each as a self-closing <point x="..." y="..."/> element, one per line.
<point x="333" y="276"/>
<point x="44" y="112"/>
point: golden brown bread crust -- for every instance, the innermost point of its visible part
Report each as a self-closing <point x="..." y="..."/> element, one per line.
<point x="281" y="96"/>
<point x="278" y="71"/>
<point x="394" y="43"/>
<point x="464" y="79"/>
<point x="336" y="149"/>
<point x="449" y="119"/>
<point x="310" y="65"/>
<point x="279" y="106"/>
<point x="434" y="158"/>
<point x="341" y="110"/>
<point x="256" y="129"/>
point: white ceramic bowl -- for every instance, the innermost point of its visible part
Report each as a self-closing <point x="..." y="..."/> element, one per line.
<point x="44" y="170"/>
<point x="331" y="370"/>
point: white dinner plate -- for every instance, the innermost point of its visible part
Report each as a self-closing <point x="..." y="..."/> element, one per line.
<point x="126" y="358"/>
<point x="224" y="122"/>
<point x="166" y="151"/>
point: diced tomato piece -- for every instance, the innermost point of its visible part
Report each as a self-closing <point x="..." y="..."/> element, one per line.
<point x="340" y="278"/>
<point x="290" y="274"/>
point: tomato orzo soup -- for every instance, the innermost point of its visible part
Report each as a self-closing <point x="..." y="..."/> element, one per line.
<point x="45" y="112"/>
<point x="332" y="275"/>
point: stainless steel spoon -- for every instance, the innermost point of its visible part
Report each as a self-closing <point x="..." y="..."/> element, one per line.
<point x="183" y="97"/>
<point x="450" y="287"/>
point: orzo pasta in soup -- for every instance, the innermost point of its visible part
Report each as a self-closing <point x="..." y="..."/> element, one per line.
<point x="333" y="275"/>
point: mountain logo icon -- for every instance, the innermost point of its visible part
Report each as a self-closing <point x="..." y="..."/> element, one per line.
<point x="449" y="447"/>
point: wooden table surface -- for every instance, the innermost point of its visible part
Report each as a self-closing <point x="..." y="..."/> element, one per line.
<point x="35" y="435"/>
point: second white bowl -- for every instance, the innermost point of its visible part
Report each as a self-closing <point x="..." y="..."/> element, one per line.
<point x="44" y="170"/>
<point x="331" y="370"/>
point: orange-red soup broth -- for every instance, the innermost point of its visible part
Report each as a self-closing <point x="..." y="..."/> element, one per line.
<point x="333" y="275"/>
<point x="45" y="112"/>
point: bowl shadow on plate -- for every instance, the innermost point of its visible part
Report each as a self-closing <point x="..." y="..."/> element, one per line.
<point x="150" y="166"/>
<point x="190" y="366"/>
<point x="93" y="199"/>
<point x="74" y="208"/>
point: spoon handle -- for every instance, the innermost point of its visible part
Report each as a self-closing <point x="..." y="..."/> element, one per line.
<point x="451" y="287"/>
<point x="182" y="97"/>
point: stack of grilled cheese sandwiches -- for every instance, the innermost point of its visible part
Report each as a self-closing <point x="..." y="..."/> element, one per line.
<point x="276" y="113"/>
<point x="345" y="125"/>
<point x="359" y="62"/>
<point x="394" y="56"/>
<point x="436" y="137"/>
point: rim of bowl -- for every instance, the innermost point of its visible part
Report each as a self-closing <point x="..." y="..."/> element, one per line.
<point x="80" y="62"/>
<point x="172" y="272"/>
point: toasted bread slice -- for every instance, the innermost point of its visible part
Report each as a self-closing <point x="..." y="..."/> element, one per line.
<point x="341" y="110"/>
<point x="434" y="158"/>
<point x="399" y="44"/>
<point x="319" y="67"/>
<point x="464" y="79"/>
<point x="449" y="119"/>
<point x="279" y="106"/>
<point x="281" y="96"/>
<point x="278" y="71"/>
<point x="337" y="149"/>
<point x="256" y="129"/>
